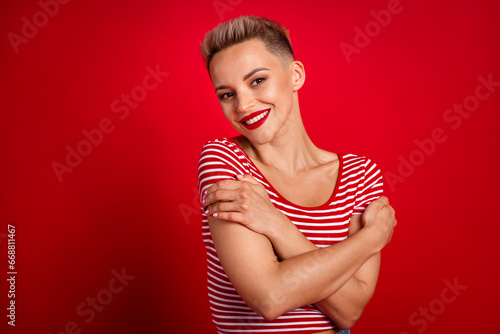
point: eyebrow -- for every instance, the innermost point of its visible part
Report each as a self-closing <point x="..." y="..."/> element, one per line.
<point x="245" y="77"/>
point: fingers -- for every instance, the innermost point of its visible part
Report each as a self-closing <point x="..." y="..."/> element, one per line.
<point x="224" y="184"/>
<point x="220" y="195"/>
<point x="255" y="185"/>
<point x="208" y="197"/>
<point x="219" y="207"/>
<point x="228" y="211"/>
<point x="231" y="184"/>
<point x="235" y="217"/>
<point x="247" y="178"/>
<point x="384" y="200"/>
<point x="225" y="190"/>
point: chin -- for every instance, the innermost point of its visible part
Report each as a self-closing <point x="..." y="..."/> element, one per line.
<point x="260" y="138"/>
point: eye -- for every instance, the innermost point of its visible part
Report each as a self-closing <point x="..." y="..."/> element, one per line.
<point x="225" y="96"/>
<point x="257" y="81"/>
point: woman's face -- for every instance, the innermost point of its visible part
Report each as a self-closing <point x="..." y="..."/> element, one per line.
<point x="255" y="90"/>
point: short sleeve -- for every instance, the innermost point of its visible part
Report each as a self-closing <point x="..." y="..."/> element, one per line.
<point x="370" y="187"/>
<point x="218" y="161"/>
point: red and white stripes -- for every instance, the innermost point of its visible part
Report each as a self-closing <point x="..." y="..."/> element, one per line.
<point x="359" y="182"/>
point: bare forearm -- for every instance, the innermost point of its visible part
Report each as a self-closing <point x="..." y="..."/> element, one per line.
<point x="273" y="288"/>
<point x="347" y="303"/>
<point x="244" y="224"/>
<point x="313" y="276"/>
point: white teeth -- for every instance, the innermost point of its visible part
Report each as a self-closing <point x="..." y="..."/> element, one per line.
<point x="257" y="118"/>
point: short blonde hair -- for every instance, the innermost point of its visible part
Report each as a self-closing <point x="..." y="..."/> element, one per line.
<point x="241" y="29"/>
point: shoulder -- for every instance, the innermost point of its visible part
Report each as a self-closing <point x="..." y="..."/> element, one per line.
<point x="361" y="166"/>
<point x="364" y="177"/>
<point x="358" y="160"/>
<point x="221" y="152"/>
<point x="221" y="142"/>
<point x="219" y="160"/>
<point x="222" y="147"/>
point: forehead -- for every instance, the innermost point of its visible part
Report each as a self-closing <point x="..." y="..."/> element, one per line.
<point x="239" y="59"/>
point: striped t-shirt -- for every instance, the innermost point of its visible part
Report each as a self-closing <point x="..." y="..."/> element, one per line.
<point x="359" y="182"/>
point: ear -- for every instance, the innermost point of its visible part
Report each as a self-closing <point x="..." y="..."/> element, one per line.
<point x="298" y="74"/>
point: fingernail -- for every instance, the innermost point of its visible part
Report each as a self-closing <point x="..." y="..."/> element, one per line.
<point x="239" y="176"/>
<point x="206" y="211"/>
<point x="215" y="215"/>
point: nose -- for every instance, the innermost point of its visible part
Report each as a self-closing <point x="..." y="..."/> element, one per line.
<point x="245" y="102"/>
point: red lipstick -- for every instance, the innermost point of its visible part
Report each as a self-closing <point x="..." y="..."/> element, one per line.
<point x="255" y="114"/>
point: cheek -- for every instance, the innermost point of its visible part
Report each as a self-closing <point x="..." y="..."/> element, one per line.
<point x="276" y="94"/>
<point x="281" y="96"/>
<point x="227" y="115"/>
<point x="227" y="110"/>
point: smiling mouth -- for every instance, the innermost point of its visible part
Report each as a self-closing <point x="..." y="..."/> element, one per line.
<point x="255" y="119"/>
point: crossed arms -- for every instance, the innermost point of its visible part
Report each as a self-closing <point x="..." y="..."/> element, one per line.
<point x="340" y="279"/>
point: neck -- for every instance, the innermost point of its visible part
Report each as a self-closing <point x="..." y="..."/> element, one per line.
<point x="290" y="151"/>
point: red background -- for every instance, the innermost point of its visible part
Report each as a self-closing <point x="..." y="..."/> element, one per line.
<point x="130" y="203"/>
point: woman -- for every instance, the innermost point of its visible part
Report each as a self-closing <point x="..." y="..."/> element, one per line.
<point x="275" y="206"/>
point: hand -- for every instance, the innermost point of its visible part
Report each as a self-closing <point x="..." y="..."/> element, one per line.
<point x="243" y="201"/>
<point x="380" y="217"/>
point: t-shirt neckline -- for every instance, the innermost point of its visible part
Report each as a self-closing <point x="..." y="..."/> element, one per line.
<point x="282" y="198"/>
